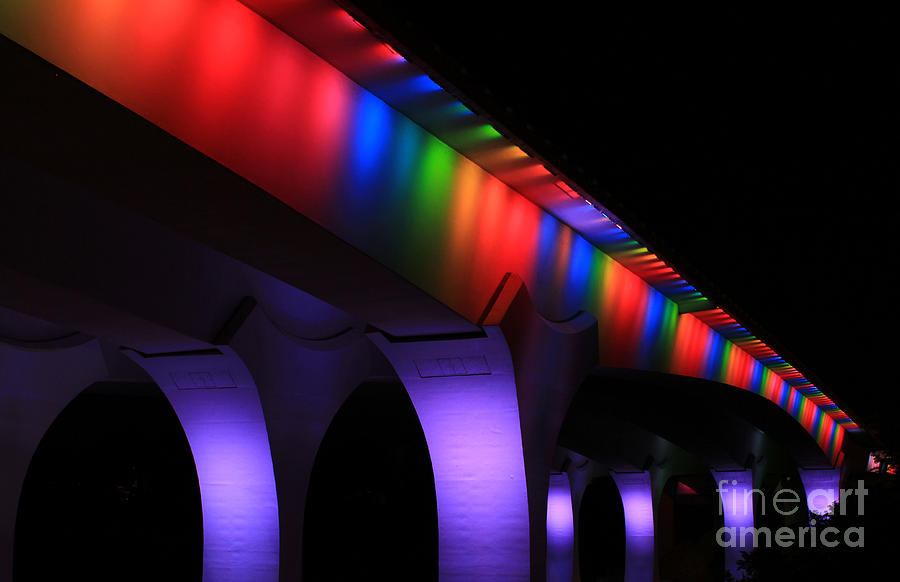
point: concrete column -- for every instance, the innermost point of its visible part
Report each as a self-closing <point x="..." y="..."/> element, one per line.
<point x="218" y="406"/>
<point x="581" y="472"/>
<point x="822" y="488"/>
<point x="560" y="530"/>
<point x="34" y="388"/>
<point x="301" y="387"/>
<point x="464" y="393"/>
<point x="735" y="489"/>
<point x="637" y="502"/>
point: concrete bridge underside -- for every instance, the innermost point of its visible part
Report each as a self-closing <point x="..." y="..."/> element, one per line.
<point x="128" y="257"/>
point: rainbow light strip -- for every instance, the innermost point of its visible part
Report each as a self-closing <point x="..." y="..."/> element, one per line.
<point x="384" y="71"/>
<point x="230" y="84"/>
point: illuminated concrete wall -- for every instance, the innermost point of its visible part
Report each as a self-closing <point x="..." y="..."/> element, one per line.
<point x="637" y="500"/>
<point x="560" y="530"/>
<point x="822" y="488"/>
<point x="216" y="401"/>
<point x="736" y="493"/>
<point x="464" y="392"/>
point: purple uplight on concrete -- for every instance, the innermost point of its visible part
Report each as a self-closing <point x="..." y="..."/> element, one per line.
<point x="216" y="401"/>
<point x="822" y="488"/>
<point x="637" y="503"/>
<point x="560" y="530"/>
<point x="464" y="393"/>
<point x="735" y="489"/>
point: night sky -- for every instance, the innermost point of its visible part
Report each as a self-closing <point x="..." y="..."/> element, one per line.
<point x="755" y="150"/>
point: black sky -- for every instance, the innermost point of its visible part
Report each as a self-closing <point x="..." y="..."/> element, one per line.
<point x="755" y="149"/>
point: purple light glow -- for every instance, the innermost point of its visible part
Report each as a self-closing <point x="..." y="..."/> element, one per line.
<point x="471" y="425"/>
<point x="560" y="530"/>
<point x="822" y="488"/>
<point x="637" y="503"/>
<point x="227" y="433"/>
<point x="736" y="508"/>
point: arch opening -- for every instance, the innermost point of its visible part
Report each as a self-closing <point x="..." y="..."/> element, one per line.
<point x="785" y="484"/>
<point x="371" y="511"/>
<point x="687" y="522"/>
<point x="601" y="533"/>
<point x="111" y="493"/>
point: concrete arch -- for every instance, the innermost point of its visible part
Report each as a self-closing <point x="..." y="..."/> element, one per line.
<point x="732" y="424"/>
<point x="602" y="445"/>
<point x="550" y="359"/>
<point x="707" y="409"/>
<point x="216" y="400"/>
<point x="301" y="384"/>
<point x="553" y="358"/>
<point x="600" y="541"/>
<point x="370" y="508"/>
<point x="35" y="386"/>
<point x="464" y="392"/>
<point x="687" y="521"/>
<point x="726" y="429"/>
<point x="111" y="491"/>
<point x="637" y="464"/>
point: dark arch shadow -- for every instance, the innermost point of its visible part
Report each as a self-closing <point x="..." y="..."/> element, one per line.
<point x="601" y="533"/>
<point x="371" y="512"/>
<point x="766" y="514"/>
<point x="111" y="493"/>
<point x="706" y="417"/>
<point x="687" y="521"/>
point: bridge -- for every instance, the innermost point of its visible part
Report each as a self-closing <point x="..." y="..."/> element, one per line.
<point x="277" y="220"/>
